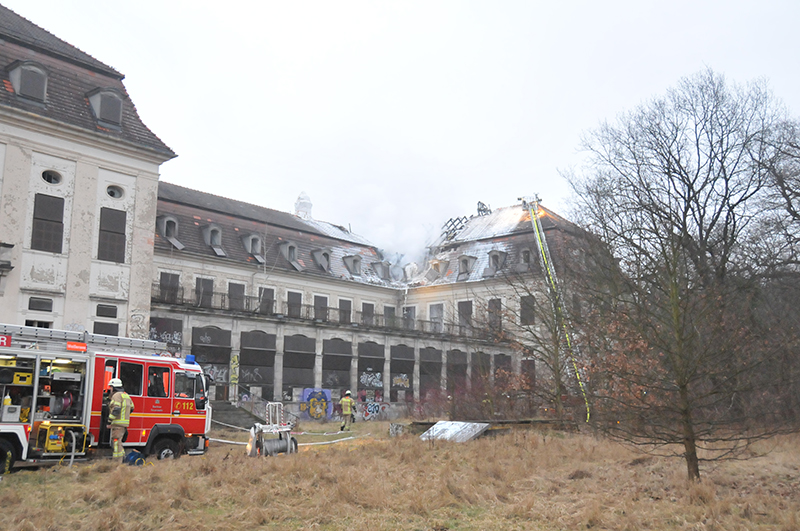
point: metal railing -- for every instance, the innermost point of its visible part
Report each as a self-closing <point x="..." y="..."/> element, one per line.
<point x="472" y="328"/>
<point x="257" y="406"/>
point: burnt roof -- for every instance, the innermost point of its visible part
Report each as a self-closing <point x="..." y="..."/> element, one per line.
<point x="71" y="76"/>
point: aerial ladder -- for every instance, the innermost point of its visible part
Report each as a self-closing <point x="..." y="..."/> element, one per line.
<point x="554" y="286"/>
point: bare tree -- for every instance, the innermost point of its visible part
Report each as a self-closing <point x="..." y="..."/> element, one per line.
<point x="681" y="351"/>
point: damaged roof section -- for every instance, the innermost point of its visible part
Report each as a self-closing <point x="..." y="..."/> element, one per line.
<point x="492" y="244"/>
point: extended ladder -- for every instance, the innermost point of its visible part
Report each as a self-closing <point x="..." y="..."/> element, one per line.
<point x="556" y="293"/>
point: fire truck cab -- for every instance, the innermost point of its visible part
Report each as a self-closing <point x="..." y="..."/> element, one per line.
<point x="54" y="386"/>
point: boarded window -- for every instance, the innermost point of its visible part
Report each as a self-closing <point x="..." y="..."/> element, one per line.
<point x="106" y="329"/>
<point x="111" y="245"/>
<point x="320" y="308"/>
<point x="295" y="303"/>
<point x="48" y="223"/>
<point x="465" y="313"/>
<point x="236" y="296"/>
<point x="345" y="308"/>
<point x="110" y="109"/>
<point x="527" y="310"/>
<point x="40" y="304"/>
<point x="106" y="310"/>
<point x="32" y="84"/>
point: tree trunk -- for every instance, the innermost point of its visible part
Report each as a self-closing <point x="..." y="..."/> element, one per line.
<point x="689" y="439"/>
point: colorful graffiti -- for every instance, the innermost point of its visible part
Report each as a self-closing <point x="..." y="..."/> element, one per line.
<point x="371" y="379"/>
<point x="317" y="403"/>
<point x="400" y="380"/>
<point x="372" y="410"/>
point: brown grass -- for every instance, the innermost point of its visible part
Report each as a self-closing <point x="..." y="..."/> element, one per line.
<point x="521" y="480"/>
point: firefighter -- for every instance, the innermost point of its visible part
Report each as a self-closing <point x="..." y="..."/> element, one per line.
<point x="119" y="415"/>
<point x="348" y="406"/>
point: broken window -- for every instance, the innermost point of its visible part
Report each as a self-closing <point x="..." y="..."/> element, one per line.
<point x="495" y="315"/>
<point x="204" y="292"/>
<point x="437" y="317"/>
<point x="464" y="316"/>
<point x="48" y="223"/>
<point x="266" y="301"/>
<point x="168" y="228"/>
<point x="322" y="257"/>
<point x="353" y="264"/>
<point x="169" y="287"/>
<point x="367" y="313"/>
<point x="252" y="244"/>
<point x="111" y="243"/>
<point x="409" y="316"/>
<point x="390" y="316"/>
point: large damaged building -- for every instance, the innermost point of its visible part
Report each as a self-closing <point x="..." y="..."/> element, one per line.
<point x="273" y="304"/>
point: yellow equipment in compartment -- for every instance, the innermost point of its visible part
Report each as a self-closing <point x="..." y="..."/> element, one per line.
<point x="54" y="438"/>
<point x="23" y="378"/>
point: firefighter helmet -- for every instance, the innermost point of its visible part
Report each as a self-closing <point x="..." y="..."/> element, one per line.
<point x="115" y="382"/>
<point x="347" y="393"/>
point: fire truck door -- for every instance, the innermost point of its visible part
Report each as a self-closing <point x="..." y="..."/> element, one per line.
<point x="132" y="375"/>
<point x="158" y="398"/>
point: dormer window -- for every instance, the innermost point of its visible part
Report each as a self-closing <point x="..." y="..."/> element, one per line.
<point x="252" y="244"/>
<point x="213" y="238"/>
<point x="526" y="257"/>
<point x="29" y="80"/>
<point x="168" y="229"/>
<point x="382" y="270"/>
<point x="107" y="105"/>
<point x="289" y="252"/>
<point x="353" y="264"/>
<point x="465" y="266"/>
<point x="322" y="257"/>
<point x="497" y="259"/>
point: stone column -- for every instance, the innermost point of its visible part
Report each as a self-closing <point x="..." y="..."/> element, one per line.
<point x="277" y="381"/>
<point x="416" y="370"/>
<point x="318" y="360"/>
<point x="387" y="370"/>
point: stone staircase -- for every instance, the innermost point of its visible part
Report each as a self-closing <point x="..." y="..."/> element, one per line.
<point x="227" y="413"/>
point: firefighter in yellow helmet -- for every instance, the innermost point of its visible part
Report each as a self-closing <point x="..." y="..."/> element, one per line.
<point x="348" y="408"/>
<point x="119" y="415"/>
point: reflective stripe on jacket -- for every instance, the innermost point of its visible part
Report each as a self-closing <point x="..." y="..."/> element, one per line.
<point x="347" y="405"/>
<point x="119" y="409"/>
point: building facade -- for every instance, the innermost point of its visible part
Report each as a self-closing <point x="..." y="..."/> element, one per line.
<point x="274" y="305"/>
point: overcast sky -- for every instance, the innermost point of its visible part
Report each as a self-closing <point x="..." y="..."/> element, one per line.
<point x="396" y="116"/>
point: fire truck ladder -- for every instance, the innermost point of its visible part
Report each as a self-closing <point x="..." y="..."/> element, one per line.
<point x="42" y="338"/>
<point x="556" y="292"/>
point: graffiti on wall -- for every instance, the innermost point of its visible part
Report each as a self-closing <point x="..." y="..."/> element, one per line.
<point x="400" y="380"/>
<point x="173" y="337"/>
<point x="371" y="379"/>
<point x="234" y="369"/>
<point x="372" y="410"/>
<point x="218" y="372"/>
<point x="317" y="403"/>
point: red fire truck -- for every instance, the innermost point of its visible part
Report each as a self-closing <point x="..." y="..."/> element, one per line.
<point x="54" y="386"/>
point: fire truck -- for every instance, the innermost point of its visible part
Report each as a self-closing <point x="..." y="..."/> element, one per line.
<point x="54" y="386"/>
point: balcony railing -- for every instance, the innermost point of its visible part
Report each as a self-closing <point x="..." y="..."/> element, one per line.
<point x="320" y="314"/>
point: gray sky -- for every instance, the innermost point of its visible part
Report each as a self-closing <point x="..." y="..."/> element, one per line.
<point x="395" y="116"/>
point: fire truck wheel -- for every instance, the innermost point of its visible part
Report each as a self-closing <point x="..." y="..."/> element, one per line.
<point x="7" y="456"/>
<point x="166" y="449"/>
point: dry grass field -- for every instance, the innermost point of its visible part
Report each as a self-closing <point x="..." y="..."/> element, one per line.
<point x="520" y="480"/>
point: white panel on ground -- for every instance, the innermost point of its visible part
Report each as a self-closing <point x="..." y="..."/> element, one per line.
<point x="446" y="430"/>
